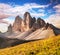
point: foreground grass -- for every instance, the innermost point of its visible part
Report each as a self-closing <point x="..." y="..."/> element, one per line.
<point x="49" y="46"/>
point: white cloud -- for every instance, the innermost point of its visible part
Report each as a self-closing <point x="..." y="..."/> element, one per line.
<point x="3" y="21"/>
<point x="7" y="10"/>
<point x="57" y="7"/>
<point x="34" y="5"/>
<point x="37" y="14"/>
<point x="54" y="19"/>
<point x="41" y="10"/>
<point x="3" y="27"/>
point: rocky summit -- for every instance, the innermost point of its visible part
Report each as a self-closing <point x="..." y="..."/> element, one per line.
<point x="27" y="29"/>
<point x="17" y="24"/>
<point x="27" y="23"/>
<point x="23" y="28"/>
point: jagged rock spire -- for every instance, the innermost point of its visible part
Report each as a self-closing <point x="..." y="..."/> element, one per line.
<point x="10" y="29"/>
<point x="41" y="22"/>
<point x="17" y="24"/>
<point x="27" y="20"/>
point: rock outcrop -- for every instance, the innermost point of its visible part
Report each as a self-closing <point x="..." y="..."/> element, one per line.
<point x="41" y="22"/>
<point x="17" y="24"/>
<point x="9" y="31"/>
<point x="23" y="24"/>
<point x="28" y="25"/>
<point x="27" y="21"/>
<point x="27" y="29"/>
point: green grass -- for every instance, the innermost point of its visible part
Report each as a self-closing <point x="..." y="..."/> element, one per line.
<point x="50" y="46"/>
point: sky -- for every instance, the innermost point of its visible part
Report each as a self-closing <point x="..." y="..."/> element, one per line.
<point x="49" y="10"/>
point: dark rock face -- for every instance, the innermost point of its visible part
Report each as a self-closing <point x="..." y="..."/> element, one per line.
<point x="24" y="24"/>
<point x="41" y="22"/>
<point x="33" y="20"/>
<point x="27" y="20"/>
<point x="8" y="42"/>
<point x="35" y="26"/>
<point x="55" y="29"/>
<point x="17" y="24"/>
<point x="9" y="31"/>
<point x="10" y="28"/>
<point x="47" y="25"/>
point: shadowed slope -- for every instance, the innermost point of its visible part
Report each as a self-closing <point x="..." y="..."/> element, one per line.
<point x="49" y="46"/>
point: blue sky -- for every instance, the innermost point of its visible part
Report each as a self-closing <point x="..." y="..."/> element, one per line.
<point x="45" y="9"/>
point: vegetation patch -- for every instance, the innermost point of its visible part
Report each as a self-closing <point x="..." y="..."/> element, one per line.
<point x="50" y="46"/>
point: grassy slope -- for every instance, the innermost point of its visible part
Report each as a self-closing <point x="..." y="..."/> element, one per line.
<point x="49" y="46"/>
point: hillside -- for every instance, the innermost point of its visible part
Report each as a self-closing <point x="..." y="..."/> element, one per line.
<point x="49" y="46"/>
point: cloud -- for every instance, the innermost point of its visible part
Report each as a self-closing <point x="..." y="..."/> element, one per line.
<point x="7" y="10"/>
<point x="2" y="21"/>
<point x="37" y="14"/>
<point x="54" y="19"/>
<point x="3" y="10"/>
<point x="34" y="5"/>
<point x="57" y="7"/>
<point x="11" y="11"/>
<point x="3" y="27"/>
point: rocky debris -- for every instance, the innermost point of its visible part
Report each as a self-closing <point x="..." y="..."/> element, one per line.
<point x="38" y="31"/>
<point x="24" y="34"/>
<point x="41" y="33"/>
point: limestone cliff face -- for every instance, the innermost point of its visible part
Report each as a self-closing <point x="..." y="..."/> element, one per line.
<point x="10" y="29"/>
<point x="31" y="28"/>
<point x="24" y="24"/>
<point x="27" y="21"/>
<point x="41" y="22"/>
<point x="17" y="24"/>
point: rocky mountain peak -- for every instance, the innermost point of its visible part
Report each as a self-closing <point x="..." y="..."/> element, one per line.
<point x="17" y="24"/>
<point x="27" y="23"/>
<point x="18" y="18"/>
<point x="41" y="22"/>
<point x="27" y="19"/>
<point x="10" y="27"/>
